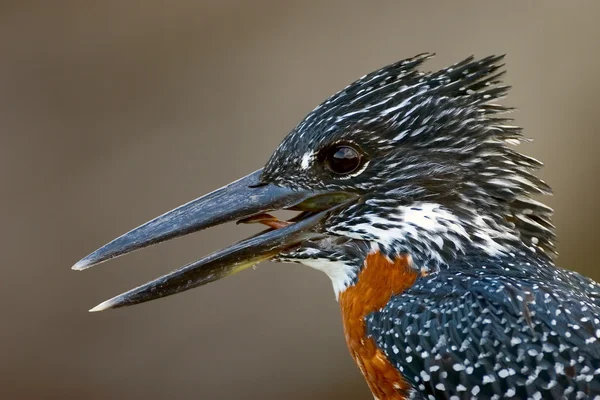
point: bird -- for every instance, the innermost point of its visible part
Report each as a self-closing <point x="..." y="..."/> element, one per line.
<point x="411" y="196"/>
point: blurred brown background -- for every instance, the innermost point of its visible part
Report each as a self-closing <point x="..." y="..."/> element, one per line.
<point x="114" y="111"/>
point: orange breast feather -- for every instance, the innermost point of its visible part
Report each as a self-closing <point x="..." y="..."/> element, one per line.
<point x="379" y="280"/>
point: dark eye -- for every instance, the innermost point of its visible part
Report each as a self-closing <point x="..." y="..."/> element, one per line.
<point x="343" y="159"/>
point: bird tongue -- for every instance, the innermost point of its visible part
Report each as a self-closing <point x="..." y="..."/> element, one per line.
<point x="265" y="219"/>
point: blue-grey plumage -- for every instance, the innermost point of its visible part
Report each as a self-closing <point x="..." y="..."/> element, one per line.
<point x="511" y="327"/>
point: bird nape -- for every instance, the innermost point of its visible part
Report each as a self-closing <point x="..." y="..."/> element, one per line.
<point x="412" y="199"/>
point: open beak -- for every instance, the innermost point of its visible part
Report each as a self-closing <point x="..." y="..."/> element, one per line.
<point x="246" y="199"/>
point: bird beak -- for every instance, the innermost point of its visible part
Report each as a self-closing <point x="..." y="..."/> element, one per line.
<point x="246" y="199"/>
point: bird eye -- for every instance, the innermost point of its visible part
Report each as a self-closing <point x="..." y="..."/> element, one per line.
<point x="343" y="159"/>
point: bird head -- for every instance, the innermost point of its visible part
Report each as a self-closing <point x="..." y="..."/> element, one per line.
<point x="402" y="162"/>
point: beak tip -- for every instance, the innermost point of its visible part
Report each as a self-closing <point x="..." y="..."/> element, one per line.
<point x="81" y="265"/>
<point x="91" y="260"/>
<point x="106" y="305"/>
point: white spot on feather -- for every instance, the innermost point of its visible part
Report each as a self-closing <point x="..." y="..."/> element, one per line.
<point x="307" y="159"/>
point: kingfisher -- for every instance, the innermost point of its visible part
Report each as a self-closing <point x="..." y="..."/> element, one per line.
<point x="411" y="197"/>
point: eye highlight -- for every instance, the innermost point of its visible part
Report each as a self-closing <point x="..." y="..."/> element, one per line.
<point x="343" y="159"/>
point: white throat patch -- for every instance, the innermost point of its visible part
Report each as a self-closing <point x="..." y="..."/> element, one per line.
<point x="340" y="273"/>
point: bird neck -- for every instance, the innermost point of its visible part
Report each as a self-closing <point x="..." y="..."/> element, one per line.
<point x="435" y="236"/>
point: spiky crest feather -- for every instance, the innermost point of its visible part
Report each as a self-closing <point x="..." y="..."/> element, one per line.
<point x="436" y="138"/>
